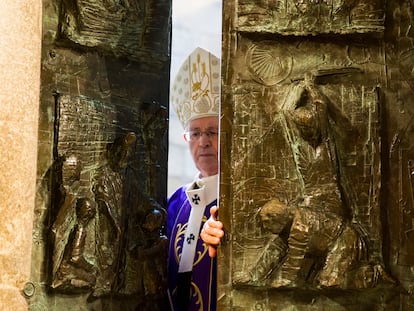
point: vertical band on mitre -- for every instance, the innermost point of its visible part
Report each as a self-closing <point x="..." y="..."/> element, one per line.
<point x="195" y="92"/>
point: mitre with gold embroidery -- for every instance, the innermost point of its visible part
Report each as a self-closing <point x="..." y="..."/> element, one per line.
<point x="195" y="92"/>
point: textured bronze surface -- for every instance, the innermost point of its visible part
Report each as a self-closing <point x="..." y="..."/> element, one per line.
<point x="100" y="210"/>
<point x="316" y="156"/>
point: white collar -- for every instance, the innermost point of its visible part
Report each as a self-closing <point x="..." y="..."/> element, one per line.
<point x="209" y="183"/>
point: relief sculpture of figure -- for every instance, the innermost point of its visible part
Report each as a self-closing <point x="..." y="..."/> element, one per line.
<point x="107" y="234"/>
<point x="108" y="187"/>
<point x="71" y="269"/>
<point x="314" y="238"/>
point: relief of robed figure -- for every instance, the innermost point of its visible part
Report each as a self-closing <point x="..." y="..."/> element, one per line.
<point x="102" y="235"/>
<point x="105" y="205"/>
<point x="314" y="236"/>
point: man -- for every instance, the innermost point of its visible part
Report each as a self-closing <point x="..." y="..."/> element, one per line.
<point x="191" y="271"/>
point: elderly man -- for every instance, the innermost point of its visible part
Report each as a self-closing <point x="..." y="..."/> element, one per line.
<point x="192" y="272"/>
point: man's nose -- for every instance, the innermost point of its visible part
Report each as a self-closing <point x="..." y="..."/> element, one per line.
<point x="205" y="140"/>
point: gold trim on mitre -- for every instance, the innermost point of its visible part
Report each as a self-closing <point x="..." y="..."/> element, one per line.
<point x="195" y="92"/>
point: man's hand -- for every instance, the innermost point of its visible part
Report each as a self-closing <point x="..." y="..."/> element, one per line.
<point x="212" y="232"/>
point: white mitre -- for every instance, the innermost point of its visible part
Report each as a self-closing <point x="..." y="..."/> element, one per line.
<point x="195" y="92"/>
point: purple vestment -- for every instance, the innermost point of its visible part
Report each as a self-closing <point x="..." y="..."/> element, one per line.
<point x="204" y="275"/>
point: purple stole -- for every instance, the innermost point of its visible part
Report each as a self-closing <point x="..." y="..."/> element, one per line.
<point x="202" y="281"/>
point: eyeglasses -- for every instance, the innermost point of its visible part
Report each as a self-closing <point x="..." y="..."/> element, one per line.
<point x="195" y="135"/>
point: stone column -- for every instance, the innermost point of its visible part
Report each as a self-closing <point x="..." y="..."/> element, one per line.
<point x="20" y="33"/>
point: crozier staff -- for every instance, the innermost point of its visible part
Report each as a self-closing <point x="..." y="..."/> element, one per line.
<point x="195" y="96"/>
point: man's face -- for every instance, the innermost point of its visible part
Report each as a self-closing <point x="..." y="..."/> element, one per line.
<point x="204" y="148"/>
